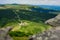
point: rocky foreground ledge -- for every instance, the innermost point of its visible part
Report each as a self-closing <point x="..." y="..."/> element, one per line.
<point x="4" y="33"/>
<point x="52" y="34"/>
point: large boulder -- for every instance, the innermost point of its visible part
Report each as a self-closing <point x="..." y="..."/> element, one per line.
<point x="4" y="33"/>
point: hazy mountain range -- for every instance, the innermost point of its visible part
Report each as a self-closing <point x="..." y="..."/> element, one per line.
<point x="43" y="6"/>
<point x="50" y="7"/>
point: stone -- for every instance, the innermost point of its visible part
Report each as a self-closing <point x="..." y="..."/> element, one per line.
<point x="4" y="33"/>
<point x="54" y="21"/>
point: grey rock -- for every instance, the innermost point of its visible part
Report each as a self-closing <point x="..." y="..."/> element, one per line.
<point x="54" y="21"/>
<point x="4" y="33"/>
<point x="47" y="35"/>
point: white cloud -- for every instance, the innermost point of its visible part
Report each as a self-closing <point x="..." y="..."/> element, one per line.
<point x="40" y="2"/>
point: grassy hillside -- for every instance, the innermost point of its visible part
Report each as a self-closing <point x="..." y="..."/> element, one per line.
<point x="25" y="21"/>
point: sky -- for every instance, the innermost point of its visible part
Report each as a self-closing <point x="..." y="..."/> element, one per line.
<point x="33" y="2"/>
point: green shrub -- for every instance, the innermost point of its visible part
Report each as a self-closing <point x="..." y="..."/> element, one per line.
<point x="30" y="29"/>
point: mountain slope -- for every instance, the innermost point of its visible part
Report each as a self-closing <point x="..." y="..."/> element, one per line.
<point x="24" y="19"/>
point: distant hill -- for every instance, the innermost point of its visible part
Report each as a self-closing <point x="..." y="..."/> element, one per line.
<point x="50" y="7"/>
<point x="43" y="8"/>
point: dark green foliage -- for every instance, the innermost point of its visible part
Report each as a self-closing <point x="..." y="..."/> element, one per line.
<point x="18" y="34"/>
<point x="7" y="15"/>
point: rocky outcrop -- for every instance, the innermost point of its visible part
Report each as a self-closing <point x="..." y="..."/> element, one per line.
<point x="54" y="22"/>
<point x="52" y="34"/>
<point x="47" y="35"/>
<point x="4" y="33"/>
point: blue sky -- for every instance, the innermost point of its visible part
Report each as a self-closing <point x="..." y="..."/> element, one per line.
<point x="37" y="2"/>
